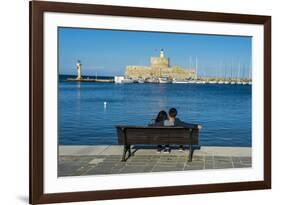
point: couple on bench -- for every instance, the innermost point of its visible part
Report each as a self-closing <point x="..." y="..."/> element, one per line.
<point x="170" y="119"/>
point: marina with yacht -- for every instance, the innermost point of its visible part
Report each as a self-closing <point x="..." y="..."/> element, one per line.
<point x="123" y="80"/>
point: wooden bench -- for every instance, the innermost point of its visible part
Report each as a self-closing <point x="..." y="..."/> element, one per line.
<point x="151" y="135"/>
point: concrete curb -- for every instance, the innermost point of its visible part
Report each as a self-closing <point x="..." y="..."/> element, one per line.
<point x="81" y="150"/>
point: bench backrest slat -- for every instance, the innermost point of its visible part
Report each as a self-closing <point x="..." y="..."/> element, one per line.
<point x="156" y="135"/>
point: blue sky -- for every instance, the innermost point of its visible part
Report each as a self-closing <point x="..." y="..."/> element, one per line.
<point x="108" y="52"/>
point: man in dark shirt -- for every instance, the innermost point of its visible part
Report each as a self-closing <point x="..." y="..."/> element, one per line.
<point x="173" y="121"/>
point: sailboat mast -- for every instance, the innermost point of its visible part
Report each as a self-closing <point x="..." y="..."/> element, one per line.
<point x="249" y="75"/>
<point x="231" y="70"/>
<point x="225" y="71"/>
<point x="196" y="67"/>
<point x="238" y="76"/>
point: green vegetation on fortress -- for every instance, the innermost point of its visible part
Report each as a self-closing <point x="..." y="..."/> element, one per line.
<point x="159" y="67"/>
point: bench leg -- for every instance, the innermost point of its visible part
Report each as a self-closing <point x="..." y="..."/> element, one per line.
<point x="124" y="153"/>
<point x="190" y="153"/>
<point x="127" y="148"/>
<point x="190" y="146"/>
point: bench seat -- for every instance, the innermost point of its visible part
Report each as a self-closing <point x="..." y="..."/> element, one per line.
<point x="155" y="135"/>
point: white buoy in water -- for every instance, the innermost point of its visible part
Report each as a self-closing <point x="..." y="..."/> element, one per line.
<point x="104" y="104"/>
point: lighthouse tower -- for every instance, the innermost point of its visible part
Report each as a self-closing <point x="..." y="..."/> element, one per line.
<point x="79" y="67"/>
<point x="162" y="53"/>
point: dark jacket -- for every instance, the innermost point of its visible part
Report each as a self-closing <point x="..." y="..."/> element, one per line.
<point x="179" y="123"/>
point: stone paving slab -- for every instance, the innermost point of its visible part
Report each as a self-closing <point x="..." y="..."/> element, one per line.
<point x="81" y="150"/>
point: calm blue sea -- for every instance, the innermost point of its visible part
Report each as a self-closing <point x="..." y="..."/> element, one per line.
<point x="223" y="110"/>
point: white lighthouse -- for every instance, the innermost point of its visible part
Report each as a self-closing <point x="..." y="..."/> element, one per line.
<point x="162" y="53"/>
<point x="79" y="67"/>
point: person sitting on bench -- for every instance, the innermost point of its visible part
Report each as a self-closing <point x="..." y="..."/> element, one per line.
<point x="159" y="121"/>
<point x="174" y="121"/>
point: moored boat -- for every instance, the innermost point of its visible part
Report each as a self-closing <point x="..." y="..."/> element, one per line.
<point x="212" y="82"/>
<point x="164" y="80"/>
<point x="127" y="80"/>
<point x="180" y="81"/>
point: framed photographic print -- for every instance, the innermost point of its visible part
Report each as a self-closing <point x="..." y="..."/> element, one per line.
<point x="134" y="102"/>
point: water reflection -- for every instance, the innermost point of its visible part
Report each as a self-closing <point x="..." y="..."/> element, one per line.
<point x="78" y="101"/>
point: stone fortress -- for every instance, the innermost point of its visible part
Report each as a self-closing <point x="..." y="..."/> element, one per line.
<point x="159" y="67"/>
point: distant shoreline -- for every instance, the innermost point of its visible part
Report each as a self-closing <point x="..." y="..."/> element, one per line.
<point x="84" y="76"/>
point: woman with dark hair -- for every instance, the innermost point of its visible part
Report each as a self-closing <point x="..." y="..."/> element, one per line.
<point x="159" y="121"/>
<point x="161" y="117"/>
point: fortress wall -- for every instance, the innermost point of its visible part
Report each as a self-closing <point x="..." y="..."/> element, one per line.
<point x="144" y="72"/>
<point x="158" y="62"/>
<point x="136" y="72"/>
<point x="181" y="73"/>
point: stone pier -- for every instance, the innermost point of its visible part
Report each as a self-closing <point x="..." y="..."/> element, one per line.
<point x="101" y="160"/>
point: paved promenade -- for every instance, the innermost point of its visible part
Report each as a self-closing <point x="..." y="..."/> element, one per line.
<point x="97" y="160"/>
